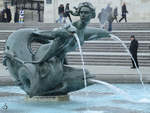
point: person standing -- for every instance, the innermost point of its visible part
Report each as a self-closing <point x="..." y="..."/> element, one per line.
<point x="8" y="12"/>
<point x="16" y="17"/>
<point x="133" y="50"/>
<point x="60" y="13"/>
<point x="67" y="12"/>
<point x="38" y="11"/>
<point x="21" y="16"/>
<point x="124" y="11"/>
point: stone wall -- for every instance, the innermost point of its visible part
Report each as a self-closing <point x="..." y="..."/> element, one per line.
<point x="139" y="10"/>
<point x="1" y="5"/>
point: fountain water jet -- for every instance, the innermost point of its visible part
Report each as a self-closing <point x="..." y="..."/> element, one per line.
<point x="105" y="83"/>
<point x="68" y="23"/>
<point x="118" y="90"/>
<point x="126" y="48"/>
<point x="82" y="60"/>
<point x="98" y="81"/>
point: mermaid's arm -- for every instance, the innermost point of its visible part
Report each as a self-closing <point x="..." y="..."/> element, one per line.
<point x="61" y="33"/>
<point x="95" y="33"/>
<point x="51" y="35"/>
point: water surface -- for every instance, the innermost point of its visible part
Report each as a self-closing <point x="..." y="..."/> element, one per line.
<point x="93" y="99"/>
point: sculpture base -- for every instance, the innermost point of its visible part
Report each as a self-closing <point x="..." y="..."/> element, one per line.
<point x="48" y="98"/>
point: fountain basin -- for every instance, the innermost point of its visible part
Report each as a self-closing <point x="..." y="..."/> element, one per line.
<point x="93" y="99"/>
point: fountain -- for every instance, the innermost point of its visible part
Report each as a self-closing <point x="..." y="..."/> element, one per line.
<point x="43" y="73"/>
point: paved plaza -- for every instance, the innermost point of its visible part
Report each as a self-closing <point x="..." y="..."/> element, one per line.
<point x="112" y="74"/>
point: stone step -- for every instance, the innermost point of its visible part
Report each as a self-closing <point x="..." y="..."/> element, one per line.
<point x="125" y="36"/>
<point x="16" y="26"/>
<point x="105" y="50"/>
<point x="99" y="46"/>
<point x="45" y="26"/>
<point x="115" y="26"/>
<point x="100" y="63"/>
<point x="107" y="64"/>
<point x="128" y="27"/>
<point x="111" y="50"/>
<point x="108" y="59"/>
<point x="128" y="33"/>
<point x="122" y="59"/>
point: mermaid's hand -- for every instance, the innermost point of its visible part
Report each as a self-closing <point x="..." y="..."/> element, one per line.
<point x="70" y="28"/>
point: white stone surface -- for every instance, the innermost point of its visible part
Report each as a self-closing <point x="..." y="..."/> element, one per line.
<point x="1" y="5"/>
<point x="49" y="13"/>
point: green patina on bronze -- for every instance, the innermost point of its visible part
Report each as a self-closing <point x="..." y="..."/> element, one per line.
<point x="43" y="73"/>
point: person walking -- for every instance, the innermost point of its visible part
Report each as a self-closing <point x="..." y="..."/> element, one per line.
<point x="133" y="50"/>
<point x="102" y="18"/>
<point x="109" y="16"/>
<point x="115" y="14"/>
<point x="124" y="11"/>
<point x="67" y="12"/>
<point x="38" y="11"/>
<point x="60" y="13"/>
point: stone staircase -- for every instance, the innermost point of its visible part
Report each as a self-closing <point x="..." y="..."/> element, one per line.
<point x="101" y="52"/>
<point x="128" y="26"/>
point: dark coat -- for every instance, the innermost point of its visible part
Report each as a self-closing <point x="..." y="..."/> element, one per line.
<point x="67" y="10"/>
<point x="0" y="16"/>
<point x="134" y="47"/>
<point x="116" y="12"/>
<point x="124" y="10"/>
<point x="8" y="12"/>
<point x="16" y="17"/>
<point x="4" y="16"/>
<point x="60" y="9"/>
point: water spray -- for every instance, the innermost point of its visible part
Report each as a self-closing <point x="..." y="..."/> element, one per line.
<point x="123" y="44"/>
<point x="72" y="29"/>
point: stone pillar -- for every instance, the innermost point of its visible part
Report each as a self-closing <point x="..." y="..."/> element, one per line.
<point x="1" y="5"/>
<point x="49" y="9"/>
